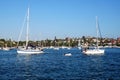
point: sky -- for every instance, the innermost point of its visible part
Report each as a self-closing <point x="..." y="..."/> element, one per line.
<point x="60" y="18"/>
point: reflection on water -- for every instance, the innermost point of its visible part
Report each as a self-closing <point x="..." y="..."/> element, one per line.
<point x="54" y="65"/>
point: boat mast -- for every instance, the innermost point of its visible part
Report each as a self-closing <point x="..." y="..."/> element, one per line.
<point x="97" y="31"/>
<point x="79" y="44"/>
<point x="27" y="35"/>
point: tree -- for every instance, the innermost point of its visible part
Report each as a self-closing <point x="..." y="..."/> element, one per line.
<point x="84" y="39"/>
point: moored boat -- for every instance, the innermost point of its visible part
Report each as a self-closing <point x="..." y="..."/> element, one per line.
<point x="97" y="50"/>
<point x="27" y="49"/>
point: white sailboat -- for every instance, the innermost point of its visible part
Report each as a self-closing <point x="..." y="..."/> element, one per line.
<point x="95" y="51"/>
<point x="28" y="50"/>
<point x="6" y="48"/>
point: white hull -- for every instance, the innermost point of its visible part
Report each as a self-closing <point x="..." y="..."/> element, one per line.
<point x="94" y="52"/>
<point x="68" y="47"/>
<point x="79" y="47"/>
<point x="29" y="51"/>
<point x="6" y="49"/>
<point x="68" y="54"/>
<point x="56" y="48"/>
<point x="63" y="47"/>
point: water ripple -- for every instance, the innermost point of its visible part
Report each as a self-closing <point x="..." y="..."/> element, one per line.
<point x="55" y="65"/>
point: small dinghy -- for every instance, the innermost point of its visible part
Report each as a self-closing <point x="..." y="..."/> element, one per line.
<point x="68" y="54"/>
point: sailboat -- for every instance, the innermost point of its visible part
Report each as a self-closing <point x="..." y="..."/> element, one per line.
<point x="95" y="51"/>
<point x="6" y="48"/>
<point x="27" y="49"/>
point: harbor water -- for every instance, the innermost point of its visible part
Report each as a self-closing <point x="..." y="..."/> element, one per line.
<point x="53" y="64"/>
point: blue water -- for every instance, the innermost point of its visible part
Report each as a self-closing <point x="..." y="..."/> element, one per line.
<point x="54" y="65"/>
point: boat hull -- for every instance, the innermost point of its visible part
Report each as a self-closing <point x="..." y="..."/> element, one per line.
<point x="29" y="52"/>
<point x="68" y="54"/>
<point x="94" y="52"/>
<point x="6" y="49"/>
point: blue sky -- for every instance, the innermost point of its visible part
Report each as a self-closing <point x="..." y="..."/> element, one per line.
<point x="60" y="18"/>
